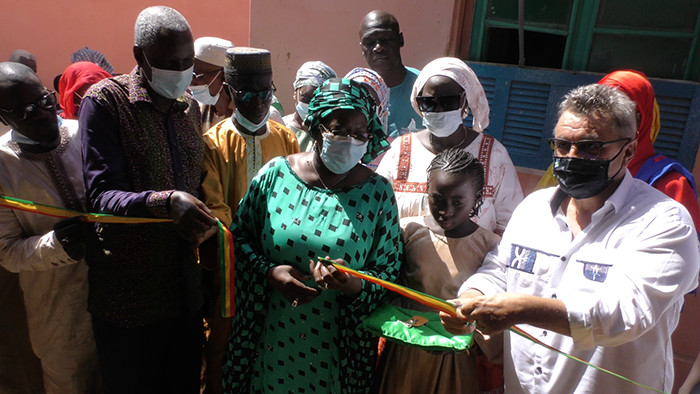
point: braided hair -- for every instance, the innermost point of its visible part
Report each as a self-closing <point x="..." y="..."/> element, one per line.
<point x="458" y="161"/>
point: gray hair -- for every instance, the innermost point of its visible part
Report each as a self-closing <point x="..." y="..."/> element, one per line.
<point x="154" y="21"/>
<point x="602" y="101"/>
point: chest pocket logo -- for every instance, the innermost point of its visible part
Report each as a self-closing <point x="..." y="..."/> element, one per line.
<point x="595" y="272"/>
<point x="522" y="259"/>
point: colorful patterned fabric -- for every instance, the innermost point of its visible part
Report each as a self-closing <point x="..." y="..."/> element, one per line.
<point x="344" y="93"/>
<point x="373" y="79"/>
<point x="314" y="347"/>
<point x="139" y="273"/>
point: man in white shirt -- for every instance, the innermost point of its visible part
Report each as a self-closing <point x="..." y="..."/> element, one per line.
<point x="40" y="161"/>
<point x="596" y="267"/>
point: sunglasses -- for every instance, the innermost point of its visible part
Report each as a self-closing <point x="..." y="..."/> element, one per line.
<point x="248" y="96"/>
<point x="46" y="102"/>
<point x="447" y="103"/>
<point x="589" y="149"/>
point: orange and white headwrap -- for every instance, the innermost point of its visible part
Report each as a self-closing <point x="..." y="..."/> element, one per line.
<point x="459" y="72"/>
<point x="376" y="82"/>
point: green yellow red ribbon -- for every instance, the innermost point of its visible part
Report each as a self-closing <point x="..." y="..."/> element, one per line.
<point x="451" y="309"/>
<point x="425" y="299"/>
<point x="48" y="210"/>
<point x="226" y="260"/>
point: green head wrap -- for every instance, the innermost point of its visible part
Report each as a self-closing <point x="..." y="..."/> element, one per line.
<point x="343" y="93"/>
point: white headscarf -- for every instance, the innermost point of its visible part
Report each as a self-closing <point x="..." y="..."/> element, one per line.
<point x="459" y="72"/>
<point x="313" y="73"/>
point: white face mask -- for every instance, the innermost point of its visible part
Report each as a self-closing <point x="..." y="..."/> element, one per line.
<point x="247" y="124"/>
<point x="302" y="110"/>
<point x="341" y="155"/>
<point x="170" y="84"/>
<point x="202" y="95"/>
<point x="443" y="124"/>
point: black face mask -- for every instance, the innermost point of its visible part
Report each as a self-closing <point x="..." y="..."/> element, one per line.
<point x="583" y="178"/>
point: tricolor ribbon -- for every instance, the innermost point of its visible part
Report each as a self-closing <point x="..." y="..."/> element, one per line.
<point x="226" y="261"/>
<point x="451" y="309"/>
<point x="48" y="210"/>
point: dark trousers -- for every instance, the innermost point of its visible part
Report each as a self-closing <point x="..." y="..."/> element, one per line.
<point x="161" y="358"/>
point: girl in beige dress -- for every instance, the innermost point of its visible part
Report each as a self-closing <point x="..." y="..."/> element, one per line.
<point x="442" y="250"/>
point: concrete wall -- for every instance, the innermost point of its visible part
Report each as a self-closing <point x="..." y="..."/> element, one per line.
<point x="301" y="30"/>
<point x="53" y="30"/>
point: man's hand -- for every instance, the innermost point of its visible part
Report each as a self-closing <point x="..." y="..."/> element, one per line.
<point x="194" y="222"/>
<point x="69" y="233"/>
<point x="496" y="313"/>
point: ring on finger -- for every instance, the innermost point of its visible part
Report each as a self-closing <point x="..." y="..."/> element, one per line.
<point x="295" y="303"/>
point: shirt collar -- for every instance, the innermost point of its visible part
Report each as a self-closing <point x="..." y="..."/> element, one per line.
<point x="616" y="200"/>
<point x="264" y="135"/>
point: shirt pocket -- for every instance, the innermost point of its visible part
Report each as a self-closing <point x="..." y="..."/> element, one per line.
<point x="529" y="268"/>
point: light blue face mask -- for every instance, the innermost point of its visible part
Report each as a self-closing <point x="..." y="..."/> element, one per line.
<point x="302" y="110"/>
<point x="341" y="154"/>
<point x="170" y="84"/>
<point x="247" y="124"/>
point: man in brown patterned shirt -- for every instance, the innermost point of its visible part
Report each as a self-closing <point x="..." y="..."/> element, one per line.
<point x="142" y="155"/>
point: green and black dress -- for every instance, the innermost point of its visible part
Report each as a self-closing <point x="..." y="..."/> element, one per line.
<point x="316" y="347"/>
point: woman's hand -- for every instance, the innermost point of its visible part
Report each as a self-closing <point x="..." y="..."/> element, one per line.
<point x="459" y="324"/>
<point x="288" y="281"/>
<point x="328" y="277"/>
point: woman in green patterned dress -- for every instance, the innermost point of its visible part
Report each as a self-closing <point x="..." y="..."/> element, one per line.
<point x="294" y="328"/>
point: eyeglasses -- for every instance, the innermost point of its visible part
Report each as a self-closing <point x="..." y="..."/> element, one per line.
<point x="46" y="102"/>
<point x="588" y="149"/>
<point x="447" y="103"/>
<point x="248" y="96"/>
<point x="337" y="135"/>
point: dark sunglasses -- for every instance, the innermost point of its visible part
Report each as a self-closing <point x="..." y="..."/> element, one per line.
<point x="447" y="103"/>
<point x="248" y="96"/>
<point x="45" y="102"/>
<point x="589" y="149"/>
